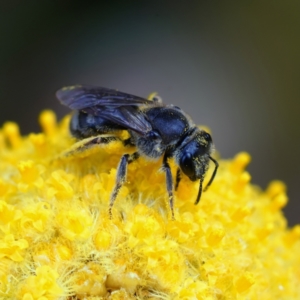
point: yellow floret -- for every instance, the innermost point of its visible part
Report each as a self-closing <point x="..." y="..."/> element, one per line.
<point x="57" y="240"/>
<point x="42" y="285"/>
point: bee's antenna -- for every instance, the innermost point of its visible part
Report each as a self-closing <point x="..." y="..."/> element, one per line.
<point x="213" y="174"/>
<point x="200" y="191"/>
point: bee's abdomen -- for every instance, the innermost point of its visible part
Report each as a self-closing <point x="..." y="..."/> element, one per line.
<point x="85" y="125"/>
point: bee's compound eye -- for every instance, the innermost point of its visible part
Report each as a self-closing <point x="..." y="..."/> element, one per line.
<point x="187" y="165"/>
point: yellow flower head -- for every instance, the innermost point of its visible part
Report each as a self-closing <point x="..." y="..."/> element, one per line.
<point x="57" y="240"/>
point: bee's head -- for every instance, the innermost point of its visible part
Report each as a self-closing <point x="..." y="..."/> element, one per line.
<point x="193" y="157"/>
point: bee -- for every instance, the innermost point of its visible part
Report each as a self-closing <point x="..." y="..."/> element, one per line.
<point x="155" y="129"/>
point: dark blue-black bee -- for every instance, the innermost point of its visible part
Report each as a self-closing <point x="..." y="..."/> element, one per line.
<point x="155" y="130"/>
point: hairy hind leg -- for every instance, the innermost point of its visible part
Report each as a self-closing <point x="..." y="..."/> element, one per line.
<point x="88" y="143"/>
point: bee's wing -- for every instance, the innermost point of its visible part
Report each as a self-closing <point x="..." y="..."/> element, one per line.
<point x="127" y="116"/>
<point x="80" y="97"/>
<point x="117" y="107"/>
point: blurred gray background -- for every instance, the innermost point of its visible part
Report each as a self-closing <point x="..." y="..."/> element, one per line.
<point x="232" y="65"/>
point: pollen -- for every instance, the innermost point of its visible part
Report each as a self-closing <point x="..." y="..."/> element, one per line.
<point x="57" y="240"/>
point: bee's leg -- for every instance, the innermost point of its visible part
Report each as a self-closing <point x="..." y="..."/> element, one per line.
<point x="121" y="177"/>
<point x="128" y="142"/>
<point x="178" y="178"/>
<point x="169" y="181"/>
<point x="88" y="143"/>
